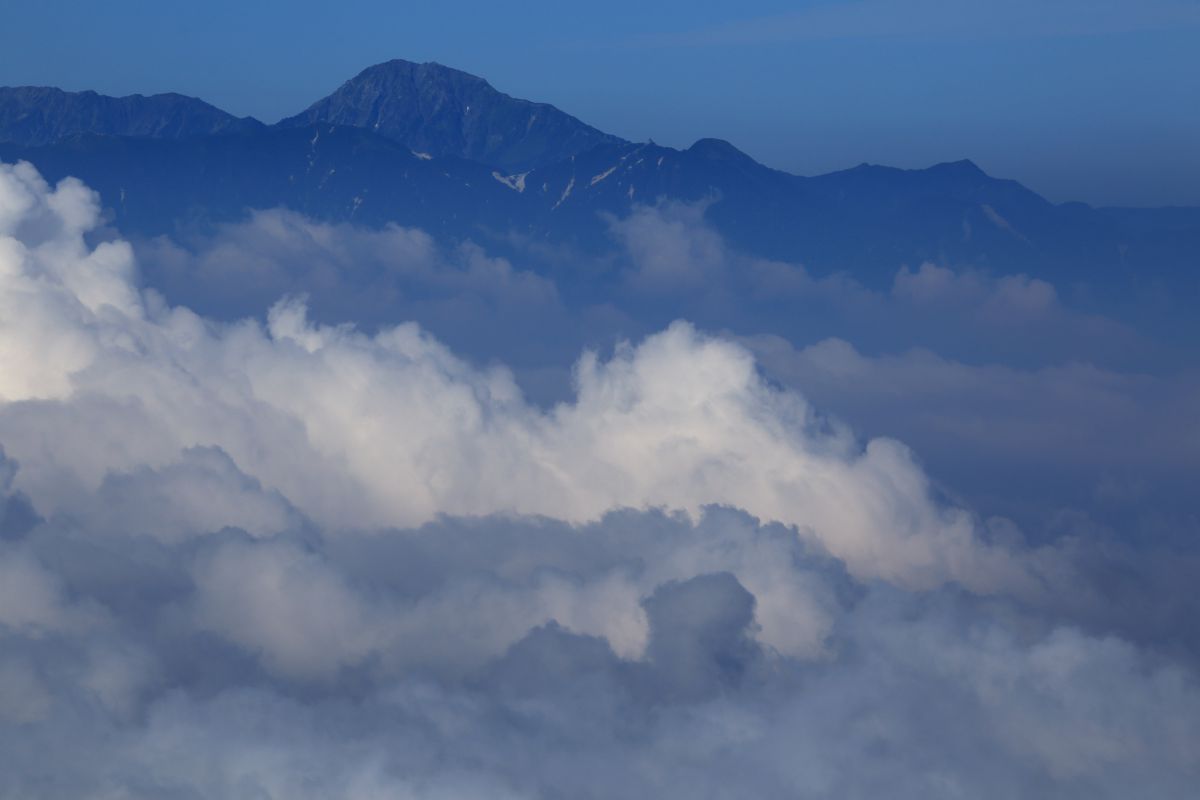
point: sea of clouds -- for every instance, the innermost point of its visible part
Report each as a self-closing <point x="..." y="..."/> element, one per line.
<point x="267" y="557"/>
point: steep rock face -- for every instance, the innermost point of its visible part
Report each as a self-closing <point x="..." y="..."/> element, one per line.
<point x="37" y="115"/>
<point x="444" y="112"/>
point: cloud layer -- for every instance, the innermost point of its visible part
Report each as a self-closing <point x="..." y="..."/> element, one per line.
<point x="285" y="559"/>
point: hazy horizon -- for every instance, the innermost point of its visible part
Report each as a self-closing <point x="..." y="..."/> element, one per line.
<point x="1083" y="102"/>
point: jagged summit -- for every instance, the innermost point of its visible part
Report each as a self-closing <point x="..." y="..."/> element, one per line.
<point x="441" y="111"/>
<point x="39" y="115"/>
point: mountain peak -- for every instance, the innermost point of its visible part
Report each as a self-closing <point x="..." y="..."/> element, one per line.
<point x="424" y="68"/>
<point x="435" y="109"/>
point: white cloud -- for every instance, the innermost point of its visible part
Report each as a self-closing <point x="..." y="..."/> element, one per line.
<point x="240" y="268"/>
<point x="297" y="560"/>
<point x="393" y="429"/>
<point x="671" y="248"/>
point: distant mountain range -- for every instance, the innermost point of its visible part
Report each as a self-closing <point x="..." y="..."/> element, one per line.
<point x="429" y="146"/>
<point x="38" y="115"/>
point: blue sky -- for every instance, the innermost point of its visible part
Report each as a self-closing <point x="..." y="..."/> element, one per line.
<point x="1096" y="100"/>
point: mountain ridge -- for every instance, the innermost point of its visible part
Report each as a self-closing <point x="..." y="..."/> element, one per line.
<point x="39" y="115"/>
<point x="868" y="220"/>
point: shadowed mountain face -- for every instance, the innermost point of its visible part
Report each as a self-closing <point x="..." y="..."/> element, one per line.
<point x="37" y="115"/>
<point x="443" y="112"/>
<point x="869" y="220"/>
<point x="328" y="172"/>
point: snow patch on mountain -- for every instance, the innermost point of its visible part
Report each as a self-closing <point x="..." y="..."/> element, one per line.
<point x="514" y="182"/>
<point x="597" y="178"/>
<point x="566" y="192"/>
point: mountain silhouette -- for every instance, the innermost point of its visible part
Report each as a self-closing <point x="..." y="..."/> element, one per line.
<point x="427" y="146"/>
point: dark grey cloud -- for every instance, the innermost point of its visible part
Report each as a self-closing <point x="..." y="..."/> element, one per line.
<point x="368" y="663"/>
<point x="17" y="516"/>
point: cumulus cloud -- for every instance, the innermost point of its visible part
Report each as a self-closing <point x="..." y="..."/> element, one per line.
<point x="345" y="269"/>
<point x="534" y="311"/>
<point x="290" y="559"/>
<point x="1008" y="297"/>
<point x="676" y="263"/>
<point x="393" y="429"/>
<point x="1014" y="396"/>
<point x="671" y="247"/>
<point x="447" y="661"/>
